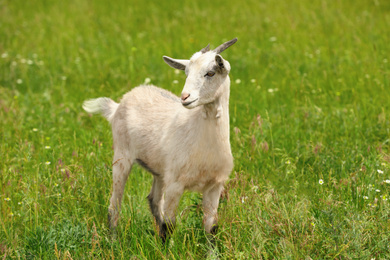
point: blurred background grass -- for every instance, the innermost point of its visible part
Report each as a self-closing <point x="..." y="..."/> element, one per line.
<point x="309" y="101"/>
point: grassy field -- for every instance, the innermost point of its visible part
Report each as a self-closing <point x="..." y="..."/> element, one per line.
<point x="309" y="111"/>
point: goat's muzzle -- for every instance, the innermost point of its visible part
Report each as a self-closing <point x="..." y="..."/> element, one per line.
<point x="185" y="99"/>
<point x="184" y="96"/>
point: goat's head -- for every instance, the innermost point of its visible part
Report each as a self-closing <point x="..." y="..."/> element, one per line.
<point x="206" y="71"/>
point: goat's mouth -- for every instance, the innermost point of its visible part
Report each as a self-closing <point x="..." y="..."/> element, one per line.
<point x="186" y="104"/>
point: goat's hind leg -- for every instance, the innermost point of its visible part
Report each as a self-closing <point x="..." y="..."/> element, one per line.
<point x="120" y="172"/>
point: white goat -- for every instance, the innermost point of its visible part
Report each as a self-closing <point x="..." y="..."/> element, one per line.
<point x="183" y="143"/>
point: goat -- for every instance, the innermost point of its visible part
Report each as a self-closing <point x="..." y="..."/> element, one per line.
<point x="184" y="142"/>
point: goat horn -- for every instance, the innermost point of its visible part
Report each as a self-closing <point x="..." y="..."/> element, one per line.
<point x="205" y="49"/>
<point x="224" y="46"/>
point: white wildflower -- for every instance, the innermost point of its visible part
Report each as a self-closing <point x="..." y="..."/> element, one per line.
<point x="147" y="81"/>
<point x="255" y="188"/>
<point x="273" y="39"/>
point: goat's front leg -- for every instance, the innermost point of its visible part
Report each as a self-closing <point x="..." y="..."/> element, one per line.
<point x="210" y="210"/>
<point x="155" y="198"/>
<point x="172" y="197"/>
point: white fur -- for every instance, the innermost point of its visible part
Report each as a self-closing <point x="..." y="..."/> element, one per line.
<point x="185" y="147"/>
<point x="105" y="106"/>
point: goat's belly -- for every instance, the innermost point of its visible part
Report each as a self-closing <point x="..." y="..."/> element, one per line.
<point x="200" y="180"/>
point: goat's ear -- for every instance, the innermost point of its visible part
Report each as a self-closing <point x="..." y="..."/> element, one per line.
<point x="222" y="64"/>
<point x="175" y="63"/>
<point x="219" y="61"/>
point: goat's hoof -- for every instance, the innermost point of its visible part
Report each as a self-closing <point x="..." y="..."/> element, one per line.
<point x="166" y="229"/>
<point x="213" y="254"/>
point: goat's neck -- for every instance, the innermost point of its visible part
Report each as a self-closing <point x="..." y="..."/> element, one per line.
<point x="219" y="109"/>
<point x="212" y="120"/>
<point x="217" y="113"/>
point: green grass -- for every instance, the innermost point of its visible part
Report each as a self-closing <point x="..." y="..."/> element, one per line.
<point x="310" y="100"/>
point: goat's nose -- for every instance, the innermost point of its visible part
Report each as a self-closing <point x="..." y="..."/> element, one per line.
<point x="184" y="96"/>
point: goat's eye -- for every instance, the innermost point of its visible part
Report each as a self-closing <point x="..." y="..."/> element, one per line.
<point x="210" y="73"/>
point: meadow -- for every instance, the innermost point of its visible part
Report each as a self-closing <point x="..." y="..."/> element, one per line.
<point x="309" y="114"/>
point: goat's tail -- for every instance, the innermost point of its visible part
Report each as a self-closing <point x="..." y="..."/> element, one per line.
<point x="104" y="106"/>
